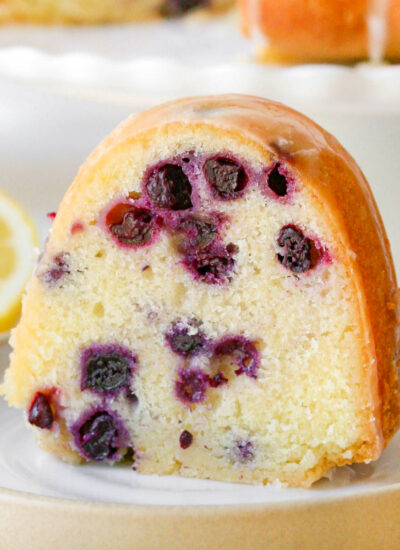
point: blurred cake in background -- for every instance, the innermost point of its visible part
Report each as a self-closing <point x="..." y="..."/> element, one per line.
<point x="323" y="30"/>
<point x="282" y="31"/>
<point x="100" y="11"/>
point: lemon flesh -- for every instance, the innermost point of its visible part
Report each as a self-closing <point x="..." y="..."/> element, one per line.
<point x="18" y="239"/>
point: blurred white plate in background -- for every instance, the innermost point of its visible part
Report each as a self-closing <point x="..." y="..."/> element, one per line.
<point x="153" y="62"/>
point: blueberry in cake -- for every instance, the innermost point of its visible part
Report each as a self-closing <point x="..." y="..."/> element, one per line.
<point x="216" y="299"/>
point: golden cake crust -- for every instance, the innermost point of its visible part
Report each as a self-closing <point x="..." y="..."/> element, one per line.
<point x="322" y="30"/>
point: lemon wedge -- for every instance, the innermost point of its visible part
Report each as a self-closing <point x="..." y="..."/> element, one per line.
<point x="18" y="238"/>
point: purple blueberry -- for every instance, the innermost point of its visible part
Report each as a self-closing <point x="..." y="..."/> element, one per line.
<point x="227" y="177"/>
<point x="242" y="351"/>
<point x="58" y="268"/>
<point x="131" y="226"/>
<point x="243" y="451"/>
<point x="168" y="187"/>
<point x="40" y="412"/>
<point x="185" y="439"/>
<point x="212" y="265"/>
<point x="277" y="181"/>
<point x="106" y="369"/>
<point x="191" y="385"/>
<point x="294" y="249"/>
<point x="187" y="340"/>
<point x="199" y="232"/>
<point x="99" y="434"/>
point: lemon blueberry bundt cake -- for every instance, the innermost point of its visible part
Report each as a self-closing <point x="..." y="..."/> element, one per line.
<point x="323" y="30"/>
<point x="216" y="299"/>
<point x="100" y="11"/>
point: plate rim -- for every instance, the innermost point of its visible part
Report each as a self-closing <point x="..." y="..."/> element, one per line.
<point x="365" y="522"/>
<point x="34" y="498"/>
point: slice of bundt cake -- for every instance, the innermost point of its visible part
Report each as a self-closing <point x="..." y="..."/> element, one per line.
<point x="216" y="299"/>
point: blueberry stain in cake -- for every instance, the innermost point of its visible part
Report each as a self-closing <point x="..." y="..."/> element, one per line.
<point x="40" y="412"/>
<point x="294" y="249"/>
<point x="242" y="352"/>
<point x="278" y="181"/>
<point x="226" y="177"/>
<point x="131" y="397"/>
<point x="185" y="439"/>
<point x="58" y="269"/>
<point x="243" y="451"/>
<point x="51" y="216"/>
<point x="168" y="187"/>
<point x="131" y="226"/>
<point x="186" y="339"/>
<point x="77" y="227"/>
<point x="218" y="379"/>
<point x="213" y="265"/>
<point x="191" y="385"/>
<point x="99" y="435"/>
<point x="106" y="369"/>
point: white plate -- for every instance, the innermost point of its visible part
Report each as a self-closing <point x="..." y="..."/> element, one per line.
<point x="163" y="60"/>
<point x="44" y="138"/>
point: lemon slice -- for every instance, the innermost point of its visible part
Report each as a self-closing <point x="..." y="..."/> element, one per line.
<point x="18" y="237"/>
